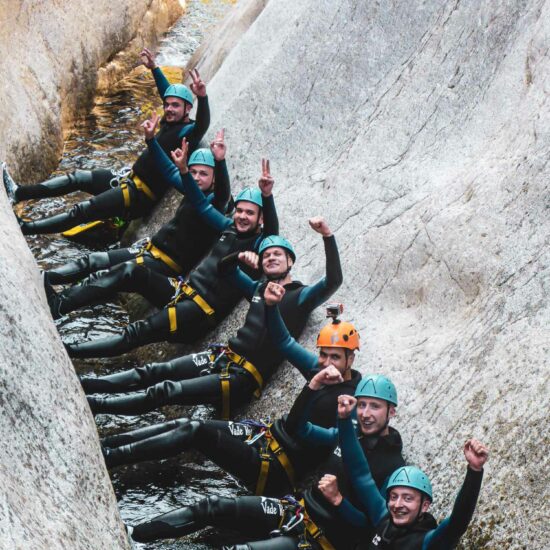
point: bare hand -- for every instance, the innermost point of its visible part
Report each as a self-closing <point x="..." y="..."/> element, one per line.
<point x="150" y="124"/>
<point x="328" y="485"/>
<point x="218" y="147"/>
<point x="148" y="59"/>
<point x="327" y="377"/>
<point x="476" y="454"/>
<point x="249" y="258"/>
<point x="266" y="182"/>
<point x="346" y="404"/>
<point x="273" y="293"/>
<point x="179" y="156"/>
<point x="319" y="224"/>
<point x="198" y="87"/>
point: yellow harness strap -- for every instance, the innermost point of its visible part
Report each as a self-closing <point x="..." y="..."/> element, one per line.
<point x="190" y="292"/>
<point x="142" y="186"/>
<point x="314" y="532"/>
<point x="262" y="476"/>
<point x="226" y="397"/>
<point x="163" y="257"/>
<point x="125" y="194"/>
<point x="140" y="259"/>
<point x="283" y="459"/>
<point x="172" y="318"/>
<point x="249" y="367"/>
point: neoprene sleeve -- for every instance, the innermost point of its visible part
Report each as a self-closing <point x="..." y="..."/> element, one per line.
<point x="359" y="472"/>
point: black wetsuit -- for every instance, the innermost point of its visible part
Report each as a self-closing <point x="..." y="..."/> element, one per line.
<point x="182" y="241"/>
<point x="196" y="379"/>
<point x="212" y="297"/>
<point x="256" y="517"/>
<point x="115" y="195"/>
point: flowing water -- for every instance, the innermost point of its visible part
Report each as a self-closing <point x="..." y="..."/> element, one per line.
<point x="110" y="137"/>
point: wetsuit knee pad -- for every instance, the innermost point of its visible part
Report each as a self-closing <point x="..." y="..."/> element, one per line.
<point x="82" y="178"/>
<point x="98" y="260"/>
<point x="83" y="211"/>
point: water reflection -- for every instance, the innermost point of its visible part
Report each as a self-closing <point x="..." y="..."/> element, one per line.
<point x="110" y="137"/>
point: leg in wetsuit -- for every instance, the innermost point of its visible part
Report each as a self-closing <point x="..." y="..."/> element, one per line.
<point x="188" y="325"/>
<point x="222" y="442"/>
<point x="184" y="382"/>
<point x="107" y="201"/>
<point x="104" y="285"/>
<point x="254" y="517"/>
<point x="76" y="270"/>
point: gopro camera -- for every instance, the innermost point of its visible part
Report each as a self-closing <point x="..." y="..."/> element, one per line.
<point x="334" y="310"/>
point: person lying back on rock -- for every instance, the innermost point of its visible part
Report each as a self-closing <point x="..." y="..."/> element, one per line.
<point x="173" y="251"/>
<point x="400" y="515"/>
<point x="229" y="377"/>
<point x="126" y="194"/>
<point x="269" y="460"/>
<point x="199" y="303"/>
<point x="309" y="519"/>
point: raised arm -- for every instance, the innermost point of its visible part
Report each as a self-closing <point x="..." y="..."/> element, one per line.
<point x="449" y="531"/>
<point x="148" y="59"/>
<point x="314" y="295"/>
<point x="265" y="183"/>
<point x="202" y="118"/>
<point x="297" y="422"/>
<point x="293" y="352"/>
<point x="356" y="463"/>
<point x="222" y="186"/>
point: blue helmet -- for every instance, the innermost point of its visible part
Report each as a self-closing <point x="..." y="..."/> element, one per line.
<point x="413" y="477"/>
<point x="275" y="240"/>
<point x="179" y="90"/>
<point x="202" y="156"/>
<point x="378" y="386"/>
<point x="250" y="194"/>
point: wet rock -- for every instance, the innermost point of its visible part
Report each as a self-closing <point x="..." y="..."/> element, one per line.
<point x="420" y="130"/>
<point x="51" y="54"/>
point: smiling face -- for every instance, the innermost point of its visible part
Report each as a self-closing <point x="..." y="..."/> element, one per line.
<point x="247" y="217"/>
<point x="275" y="261"/>
<point x="405" y="505"/>
<point x="203" y="175"/>
<point x="373" y="415"/>
<point x="175" y="109"/>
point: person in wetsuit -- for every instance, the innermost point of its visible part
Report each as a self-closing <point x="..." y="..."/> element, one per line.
<point x="321" y="524"/>
<point x="228" y="378"/>
<point x="173" y="251"/>
<point x="131" y="195"/>
<point x="197" y="304"/>
<point x="400" y="517"/>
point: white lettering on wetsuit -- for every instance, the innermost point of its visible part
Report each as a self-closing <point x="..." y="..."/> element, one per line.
<point x="272" y="507"/>
<point x="239" y="429"/>
<point x="376" y="540"/>
<point x="256" y="299"/>
<point x="200" y="359"/>
<point x="337" y="451"/>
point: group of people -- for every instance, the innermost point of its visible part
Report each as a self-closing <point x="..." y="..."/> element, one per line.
<point x="330" y="474"/>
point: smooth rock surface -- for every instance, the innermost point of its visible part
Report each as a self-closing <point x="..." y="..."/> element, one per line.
<point x="51" y="54"/>
<point x="420" y="131"/>
<point x="56" y="492"/>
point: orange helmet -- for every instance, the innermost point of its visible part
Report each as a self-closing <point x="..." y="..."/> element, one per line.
<point x="338" y="334"/>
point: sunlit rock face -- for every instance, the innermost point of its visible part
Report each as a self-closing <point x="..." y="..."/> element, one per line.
<point x="51" y="53"/>
<point x="420" y="130"/>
